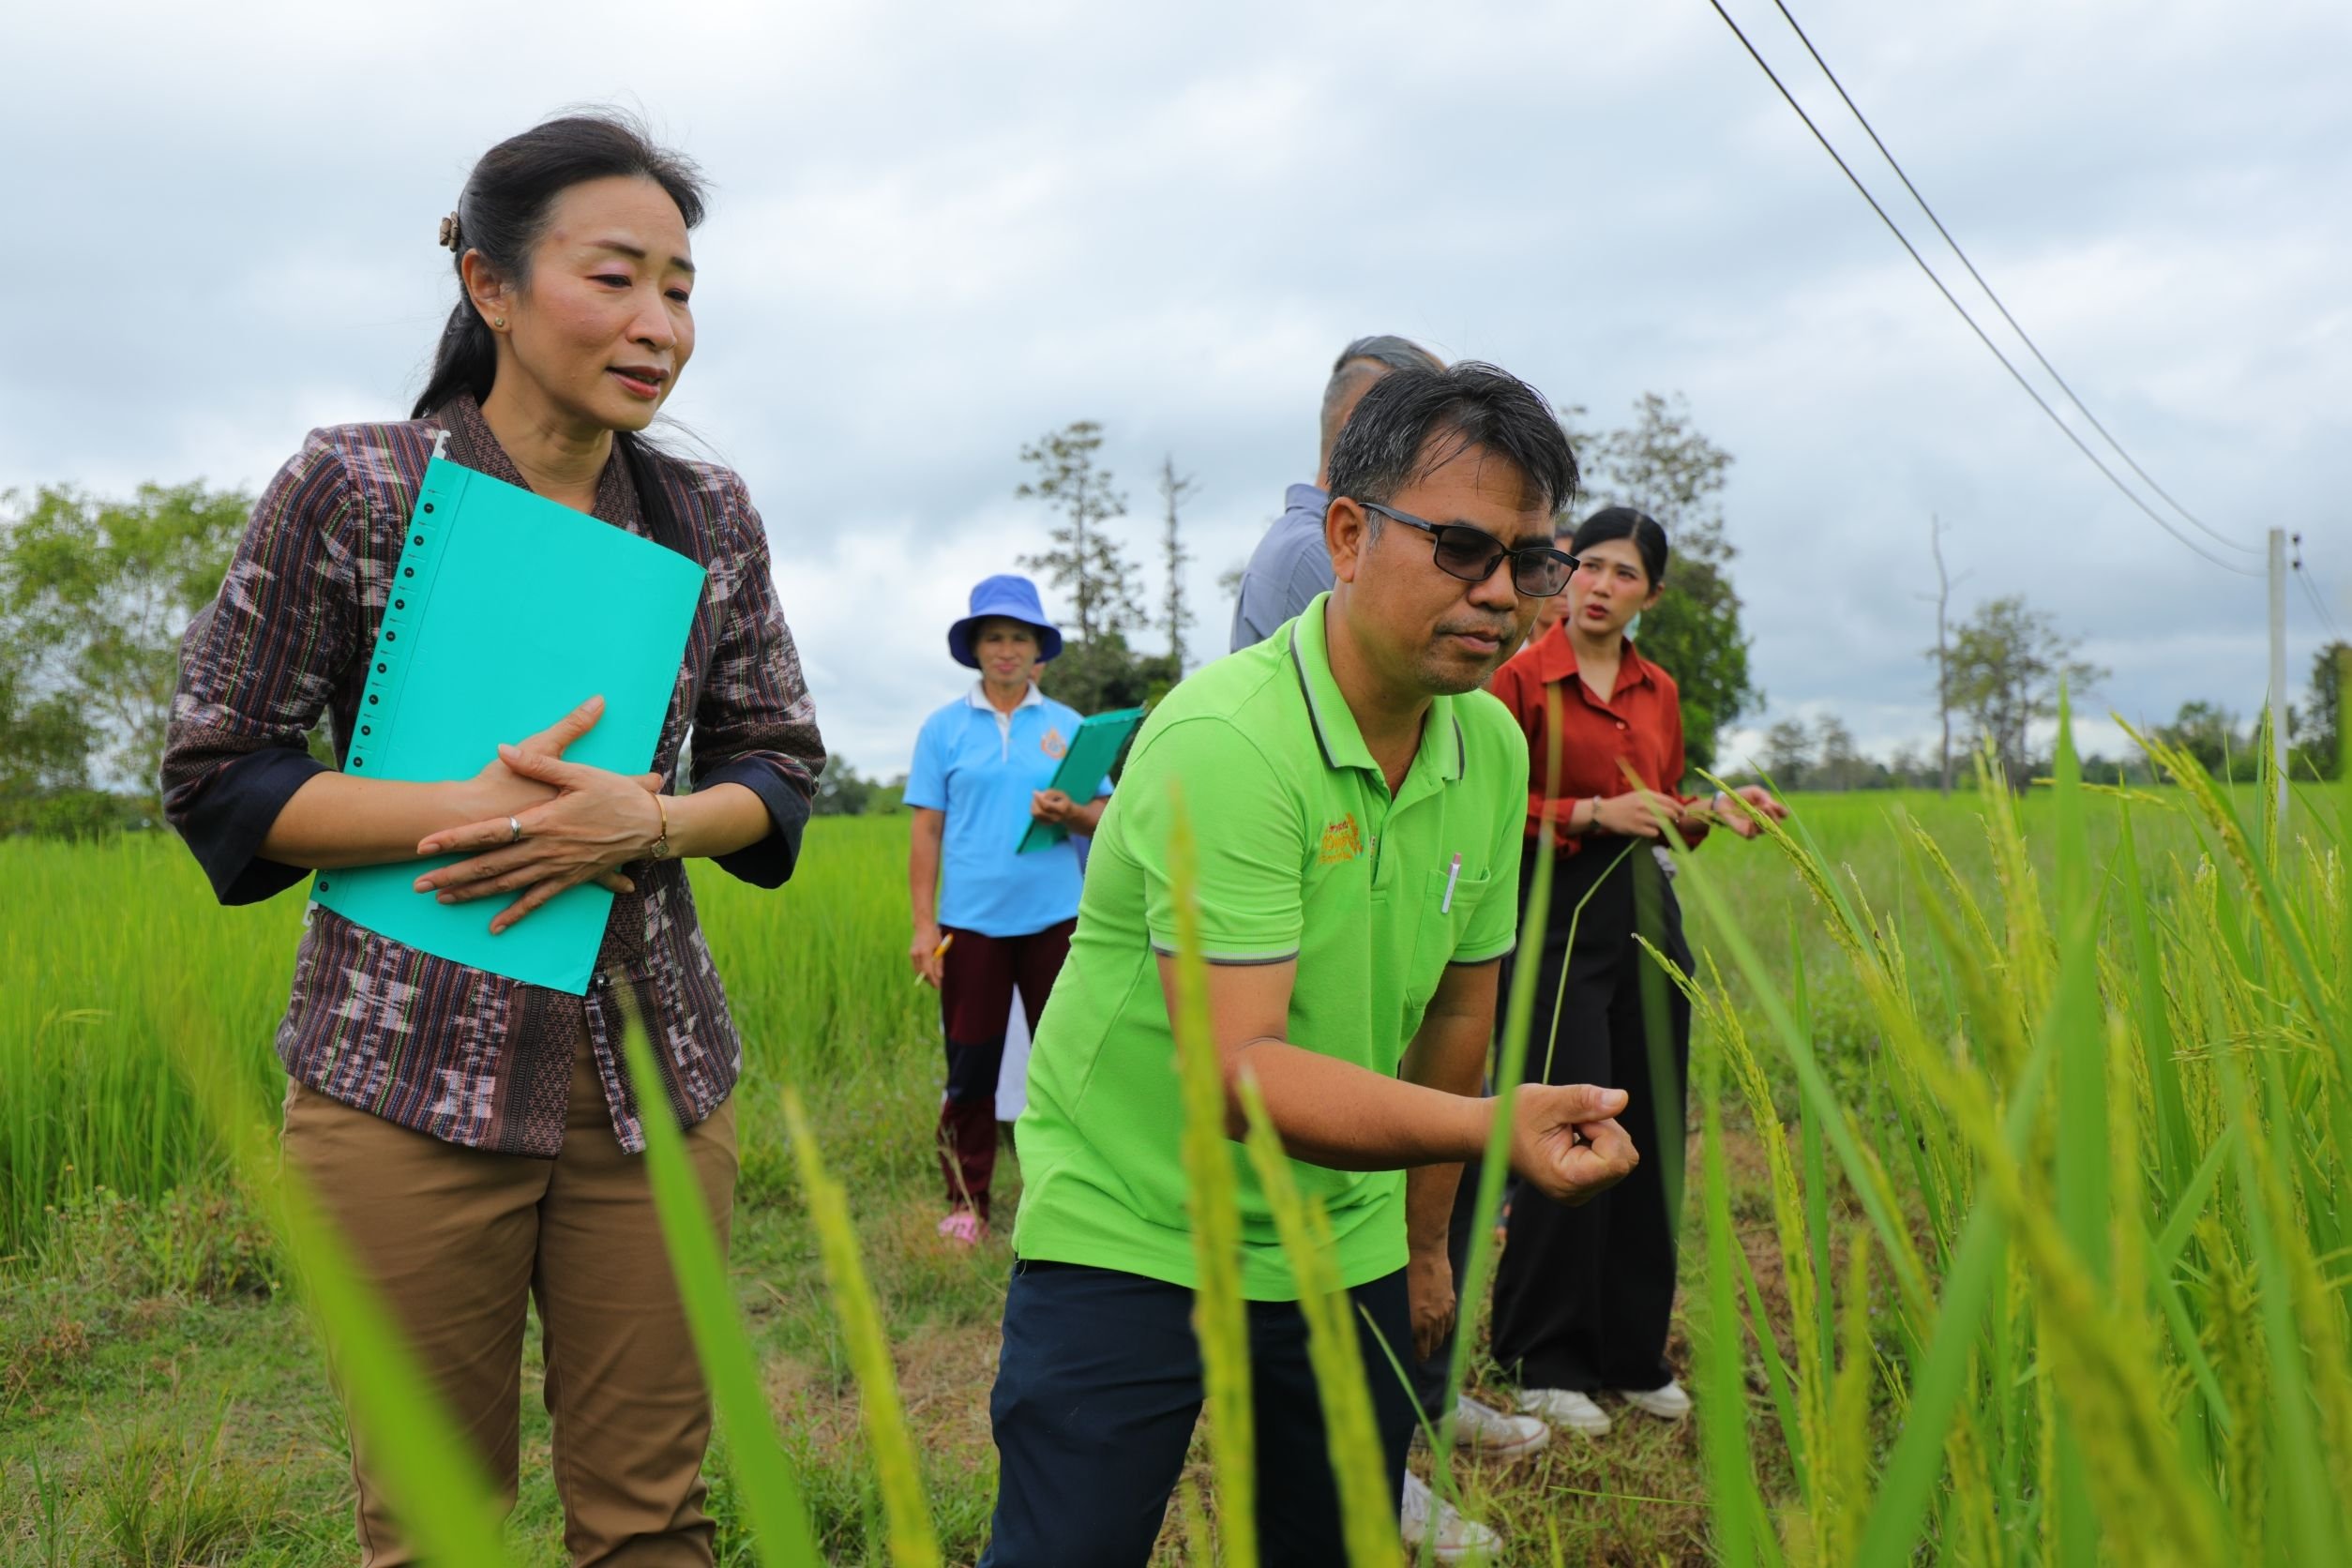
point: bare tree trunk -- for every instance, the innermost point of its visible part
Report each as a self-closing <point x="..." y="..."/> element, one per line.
<point x="1174" y="489"/>
<point x="1077" y="526"/>
<point x="1943" y="649"/>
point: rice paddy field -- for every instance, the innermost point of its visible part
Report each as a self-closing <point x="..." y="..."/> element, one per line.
<point x="2017" y="1220"/>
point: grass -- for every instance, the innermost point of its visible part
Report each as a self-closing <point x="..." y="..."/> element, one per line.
<point x="2027" y="1162"/>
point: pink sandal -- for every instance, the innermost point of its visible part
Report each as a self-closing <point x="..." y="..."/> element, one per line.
<point x="964" y="1227"/>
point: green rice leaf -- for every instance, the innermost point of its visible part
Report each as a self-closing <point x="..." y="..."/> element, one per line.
<point x="912" y="1542"/>
<point x="1213" y="1199"/>
<point x="1366" y="1504"/>
<point x="417" y="1453"/>
<point x="780" y="1533"/>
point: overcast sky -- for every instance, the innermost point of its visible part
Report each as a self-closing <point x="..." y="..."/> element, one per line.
<point x="940" y="231"/>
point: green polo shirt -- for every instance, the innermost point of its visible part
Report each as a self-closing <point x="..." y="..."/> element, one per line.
<point x="1302" y="854"/>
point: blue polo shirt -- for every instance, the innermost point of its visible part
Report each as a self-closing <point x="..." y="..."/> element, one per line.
<point x="981" y="767"/>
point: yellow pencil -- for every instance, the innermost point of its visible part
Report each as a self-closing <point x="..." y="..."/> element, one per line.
<point x="939" y="952"/>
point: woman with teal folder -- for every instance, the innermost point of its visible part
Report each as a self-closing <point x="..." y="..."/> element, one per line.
<point x="477" y="1138"/>
<point x="982" y="769"/>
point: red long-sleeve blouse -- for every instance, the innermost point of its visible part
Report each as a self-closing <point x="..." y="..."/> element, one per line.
<point x="1640" y="726"/>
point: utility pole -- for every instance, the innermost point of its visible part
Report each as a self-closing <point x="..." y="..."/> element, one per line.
<point x="2278" y="667"/>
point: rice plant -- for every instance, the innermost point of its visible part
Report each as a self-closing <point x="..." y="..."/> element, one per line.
<point x="770" y="1493"/>
<point x="913" y="1543"/>
<point x="2053" y="1095"/>
<point x="2122" y="1104"/>
<point x="1213" y="1199"/>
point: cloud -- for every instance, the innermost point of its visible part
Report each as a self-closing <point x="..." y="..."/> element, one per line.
<point x="939" y="233"/>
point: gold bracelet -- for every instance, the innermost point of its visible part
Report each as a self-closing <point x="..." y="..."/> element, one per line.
<point x="659" y="848"/>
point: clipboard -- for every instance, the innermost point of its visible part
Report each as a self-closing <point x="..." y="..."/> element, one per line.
<point x="1085" y="766"/>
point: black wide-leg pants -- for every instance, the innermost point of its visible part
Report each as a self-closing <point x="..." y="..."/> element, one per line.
<point x="1583" y="1296"/>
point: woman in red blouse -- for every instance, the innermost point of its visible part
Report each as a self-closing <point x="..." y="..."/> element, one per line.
<point x="1583" y="1296"/>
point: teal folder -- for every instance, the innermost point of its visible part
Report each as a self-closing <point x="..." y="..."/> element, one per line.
<point x="508" y="611"/>
<point x="1083" y="768"/>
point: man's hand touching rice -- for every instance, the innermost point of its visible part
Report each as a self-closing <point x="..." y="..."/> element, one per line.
<point x="1566" y="1140"/>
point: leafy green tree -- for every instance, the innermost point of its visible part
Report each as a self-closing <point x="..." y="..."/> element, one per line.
<point x="1842" y="764"/>
<point x="1105" y="673"/>
<point x="2132" y="768"/>
<point x="1909" y="767"/>
<point x="2213" y="735"/>
<point x="1663" y="465"/>
<point x="45" y="736"/>
<point x="840" y="792"/>
<point x="2317" y="725"/>
<point x="94" y="596"/>
<point x="2007" y="662"/>
<point x="843" y="792"/>
<point x="1096" y="670"/>
<point x="1788" y="753"/>
<point x="1084" y="559"/>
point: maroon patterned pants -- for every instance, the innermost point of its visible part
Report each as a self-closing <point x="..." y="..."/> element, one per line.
<point x="975" y="998"/>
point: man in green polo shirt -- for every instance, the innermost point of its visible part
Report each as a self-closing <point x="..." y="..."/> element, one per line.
<point x="1360" y="806"/>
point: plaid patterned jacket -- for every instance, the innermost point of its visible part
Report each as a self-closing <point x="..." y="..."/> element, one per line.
<point x="466" y="1056"/>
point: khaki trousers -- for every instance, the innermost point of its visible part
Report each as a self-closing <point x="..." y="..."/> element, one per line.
<point x="457" y="1240"/>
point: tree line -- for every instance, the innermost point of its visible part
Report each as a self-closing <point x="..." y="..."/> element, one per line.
<point x="94" y="595"/>
<point x="1659" y="462"/>
<point x="2004" y="675"/>
<point x="95" y="592"/>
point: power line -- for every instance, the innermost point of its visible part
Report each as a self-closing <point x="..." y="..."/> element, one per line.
<point x="2023" y="335"/>
<point x="2311" y="585"/>
<point x="1994" y="349"/>
<point x="2318" y="600"/>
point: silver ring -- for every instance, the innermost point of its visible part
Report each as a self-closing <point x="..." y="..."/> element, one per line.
<point x="514" y="831"/>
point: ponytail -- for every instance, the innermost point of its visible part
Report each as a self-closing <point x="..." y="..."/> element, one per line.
<point x="465" y="360"/>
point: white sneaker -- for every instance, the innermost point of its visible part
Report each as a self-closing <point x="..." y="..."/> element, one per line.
<point x="1452" y="1538"/>
<point x="1490" y="1432"/>
<point x="1669" y="1403"/>
<point x="1566" y="1408"/>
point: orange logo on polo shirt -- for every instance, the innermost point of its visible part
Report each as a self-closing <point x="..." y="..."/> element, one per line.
<point x="1054" y="746"/>
<point x="1342" y="840"/>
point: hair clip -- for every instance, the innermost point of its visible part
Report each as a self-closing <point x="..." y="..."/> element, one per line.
<point x="449" y="236"/>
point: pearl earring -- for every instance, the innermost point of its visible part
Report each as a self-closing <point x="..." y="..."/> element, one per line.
<point x="500" y="323"/>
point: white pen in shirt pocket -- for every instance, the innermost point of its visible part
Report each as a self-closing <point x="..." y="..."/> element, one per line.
<point x="1452" y="875"/>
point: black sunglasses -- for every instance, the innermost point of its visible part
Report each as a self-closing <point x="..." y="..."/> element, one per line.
<point x="1539" y="571"/>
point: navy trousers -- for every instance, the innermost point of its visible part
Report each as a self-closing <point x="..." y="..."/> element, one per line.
<point x="1430" y="1376"/>
<point x="1097" y="1393"/>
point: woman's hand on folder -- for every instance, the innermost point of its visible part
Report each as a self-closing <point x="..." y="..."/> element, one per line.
<point x="585" y="824"/>
<point x="500" y="789"/>
<point x="1053" y="805"/>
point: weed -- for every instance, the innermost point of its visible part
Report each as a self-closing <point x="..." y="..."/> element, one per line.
<point x="167" y="1497"/>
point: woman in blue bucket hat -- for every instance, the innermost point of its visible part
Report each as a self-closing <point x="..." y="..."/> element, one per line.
<point x="1001" y="920"/>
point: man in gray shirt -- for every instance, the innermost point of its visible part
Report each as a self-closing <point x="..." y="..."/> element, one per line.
<point x="1292" y="564"/>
